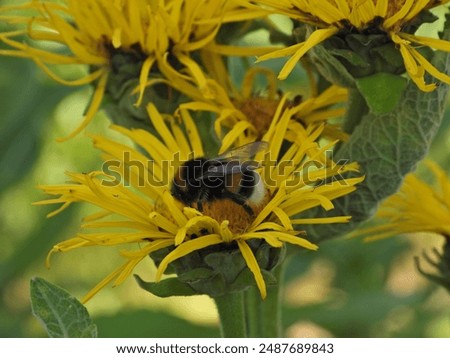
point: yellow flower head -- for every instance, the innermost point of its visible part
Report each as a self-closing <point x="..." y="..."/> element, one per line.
<point x="245" y="115"/>
<point x="139" y="200"/>
<point x="417" y="207"/>
<point x="159" y="36"/>
<point x="333" y="17"/>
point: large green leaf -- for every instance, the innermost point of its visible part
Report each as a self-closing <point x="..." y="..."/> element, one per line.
<point x="62" y="314"/>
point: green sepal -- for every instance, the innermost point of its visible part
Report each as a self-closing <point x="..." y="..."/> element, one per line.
<point x="347" y="56"/>
<point x="389" y="59"/>
<point x="221" y="269"/>
<point x="328" y="65"/>
<point x="120" y="93"/>
<point x="382" y="91"/>
<point x="201" y="281"/>
<point x="216" y="285"/>
<point x="62" y="315"/>
<point x="166" y="288"/>
<point x="120" y="102"/>
<point x="352" y="57"/>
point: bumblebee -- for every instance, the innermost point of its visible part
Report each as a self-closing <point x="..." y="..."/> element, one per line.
<point x="229" y="176"/>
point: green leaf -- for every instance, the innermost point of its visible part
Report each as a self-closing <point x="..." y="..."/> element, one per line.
<point x="62" y="315"/>
<point x="166" y="288"/>
<point x="329" y="66"/>
<point x="382" y="91"/>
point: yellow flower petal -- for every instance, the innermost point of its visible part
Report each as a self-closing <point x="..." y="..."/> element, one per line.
<point x="399" y="15"/>
<point x="93" y="107"/>
<point x="145" y="70"/>
<point x="316" y="38"/>
<point x="427" y="41"/>
<point x="186" y="248"/>
<point x="252" y="264"/>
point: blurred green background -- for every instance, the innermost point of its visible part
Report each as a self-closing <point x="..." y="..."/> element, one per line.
<point x="346" y="289"/>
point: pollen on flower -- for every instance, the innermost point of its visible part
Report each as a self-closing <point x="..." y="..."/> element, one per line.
<point x="239" y="219"/>
<point x="259" y="111"/>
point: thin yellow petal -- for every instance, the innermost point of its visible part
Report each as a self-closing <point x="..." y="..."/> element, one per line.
<point x="185" y="249"/>
<point x="316" y="38"/>
<point x="229" y="50"/>
<point x="429" y="67"/>
<point x="328" y="220"/>
<point x="381" y="8"/>
<point x="102" y="284"/>
<point x="399" y="15"/>
<point x="192" y="133"/>
<point x="143" y="76"/>
<point x="162" y="128"/>
<point x="93" y="107"/>
<point x="162" y="222"/>
<point x="280" y="53"/>
<point x="252" y="264"/>
<point x="230" y="138"/>
<point x="437" y="44"/>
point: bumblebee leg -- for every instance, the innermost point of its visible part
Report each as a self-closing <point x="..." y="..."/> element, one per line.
<point x="200" y="205"/>
<point x="203" y="197"/>
<point x="248" y="209"/>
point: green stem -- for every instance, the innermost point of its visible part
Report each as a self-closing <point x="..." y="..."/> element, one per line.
<point x="231" y="313"/>
<point x="253" y="311"/>
<point x="271" y="308"/>
<point x="264" y="316"/>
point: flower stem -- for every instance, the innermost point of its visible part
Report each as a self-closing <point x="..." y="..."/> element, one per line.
<point x="253" y="311"/>
<point x="231" y="313"/>
<point x="264" y="316"/>
<point x="271" y="308"/>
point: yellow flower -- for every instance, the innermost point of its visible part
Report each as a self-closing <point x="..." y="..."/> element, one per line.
<point x="246" y="115"/>
<point x="157" y="35"/>
<point x="417" y="207"/>
<point x="331" y="17"/>
<point x="139" y="200"/>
